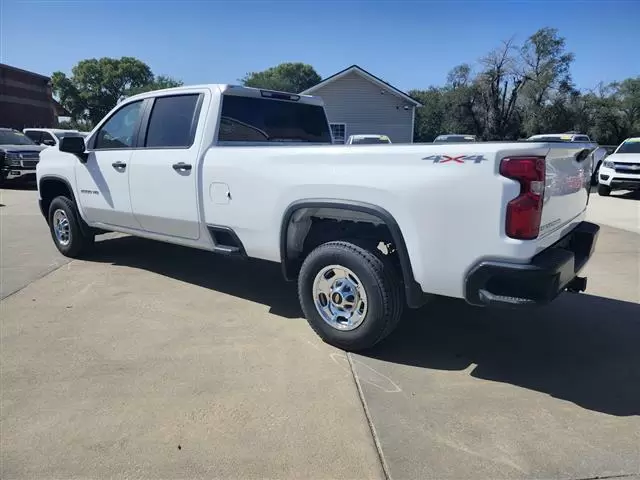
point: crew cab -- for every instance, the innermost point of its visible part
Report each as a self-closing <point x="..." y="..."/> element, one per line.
<point x="19" y="155"/>
<point x="621" y="169"/>
<point x="364" y="231"/>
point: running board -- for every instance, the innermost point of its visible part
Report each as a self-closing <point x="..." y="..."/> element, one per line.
<point x="225" y="241"/>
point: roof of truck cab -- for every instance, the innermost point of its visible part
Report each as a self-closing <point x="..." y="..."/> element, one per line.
<point x="227" y="89"/>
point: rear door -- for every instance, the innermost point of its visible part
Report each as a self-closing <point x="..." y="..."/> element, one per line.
<point x="163" y="169"/>
<point x="568" y="181"/>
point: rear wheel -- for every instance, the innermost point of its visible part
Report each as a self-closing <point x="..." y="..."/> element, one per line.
<point x="351" y="297"/>
<point x="604" y="190"/>
<point x="64" y="224"/>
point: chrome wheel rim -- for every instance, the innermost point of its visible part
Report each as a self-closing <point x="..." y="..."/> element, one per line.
<point x="340" y="298"/>
<point x="61" y="227"/>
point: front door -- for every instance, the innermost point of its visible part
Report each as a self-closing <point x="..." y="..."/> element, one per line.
<point x="103" y="181"/>
<point x="163" y="170"/>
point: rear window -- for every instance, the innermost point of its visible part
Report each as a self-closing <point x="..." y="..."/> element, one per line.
<point x="250" y="119"/>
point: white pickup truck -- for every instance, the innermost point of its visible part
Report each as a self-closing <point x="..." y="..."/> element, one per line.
<point x="365" y="231"/>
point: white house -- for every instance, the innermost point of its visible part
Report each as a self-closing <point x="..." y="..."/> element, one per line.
<point x="358" y="102"/>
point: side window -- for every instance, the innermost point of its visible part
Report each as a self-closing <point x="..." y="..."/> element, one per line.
<point x="172" y="122"/>
<point x="34" y="135"/>
<point x="120" y="129"/>
<point x="47" y="139"/>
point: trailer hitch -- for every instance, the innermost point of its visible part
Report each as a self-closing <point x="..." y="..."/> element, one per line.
<point x="577" y="285"/>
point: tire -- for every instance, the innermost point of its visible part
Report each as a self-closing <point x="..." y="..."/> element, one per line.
<point x="604" y="191"/>
<point x="75" y="242"/>
<point x="374" y="314"/>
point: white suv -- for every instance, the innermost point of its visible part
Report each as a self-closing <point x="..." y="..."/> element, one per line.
<point x="621" y="169"/>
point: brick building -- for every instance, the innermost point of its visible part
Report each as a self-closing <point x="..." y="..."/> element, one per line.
<point x="26" y="99"/>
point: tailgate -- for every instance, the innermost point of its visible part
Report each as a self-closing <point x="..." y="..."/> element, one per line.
<point x="567" y="185"/>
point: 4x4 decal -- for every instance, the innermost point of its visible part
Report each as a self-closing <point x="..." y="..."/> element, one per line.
<point x="456" y="159"/>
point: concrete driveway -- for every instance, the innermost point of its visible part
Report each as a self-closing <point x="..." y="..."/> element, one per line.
<point x="25" y="254"/>
<point x="156" y="361"/>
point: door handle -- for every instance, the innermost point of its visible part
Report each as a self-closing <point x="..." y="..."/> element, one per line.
<point x="119" y="165"/>
<point x="182" y="167"/>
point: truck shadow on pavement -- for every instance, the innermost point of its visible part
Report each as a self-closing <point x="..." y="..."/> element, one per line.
<point x="630" y="195"/>
<point x="582" y="348"/>
<point x="254" y="280"/>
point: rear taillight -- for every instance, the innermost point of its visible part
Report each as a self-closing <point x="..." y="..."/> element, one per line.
<point x="525" y="211"/>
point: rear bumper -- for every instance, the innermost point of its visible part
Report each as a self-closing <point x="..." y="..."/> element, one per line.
<point x="538" y="282"/>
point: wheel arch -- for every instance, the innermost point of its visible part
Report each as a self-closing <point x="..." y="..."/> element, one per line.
<point x="51" y="186"/>
<point x="360" y="211"/>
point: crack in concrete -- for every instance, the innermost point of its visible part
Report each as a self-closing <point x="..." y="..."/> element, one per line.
<point x="607" y="477"/>
<point x="383" y="463"/>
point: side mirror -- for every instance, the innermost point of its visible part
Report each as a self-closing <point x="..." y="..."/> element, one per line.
<point x="48" y="142"/>
<point x="74" y="145"/>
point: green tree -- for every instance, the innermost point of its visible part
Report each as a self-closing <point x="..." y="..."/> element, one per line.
<point x="97" y="85"/>
<point x="549" y="87"/>
<point x="614" y="111"/>
<point x="500" y="83"/>
<point x="286" y="77"/>
<point x="461" y="96"/>
<point x="429" y="119"/>
<point x="160" y="82"/>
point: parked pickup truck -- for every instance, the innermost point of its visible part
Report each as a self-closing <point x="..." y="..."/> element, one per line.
<point x="364" y="231"/>
<point x="18" y="155"/>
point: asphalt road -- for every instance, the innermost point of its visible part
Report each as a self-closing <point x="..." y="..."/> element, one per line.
<point x="156" y="361"/>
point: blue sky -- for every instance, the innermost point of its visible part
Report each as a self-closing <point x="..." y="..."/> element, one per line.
<point x="411" y="44"/>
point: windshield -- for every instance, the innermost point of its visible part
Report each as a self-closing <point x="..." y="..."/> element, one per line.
<point x="369" y="140"/>
<point x="66" y="134"/>
<point x="630" y="146"/>
<point x="548" y="139"/>
<point x="455" y="138"/>
<point x="11" y="137"/>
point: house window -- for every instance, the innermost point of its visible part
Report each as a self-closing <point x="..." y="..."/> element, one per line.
<point x="338" y="131"/>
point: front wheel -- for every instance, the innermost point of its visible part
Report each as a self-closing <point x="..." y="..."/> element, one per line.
<point x="351" y="297"/>
<point x="64" y="224"/>
<point x="604" y="191"/>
